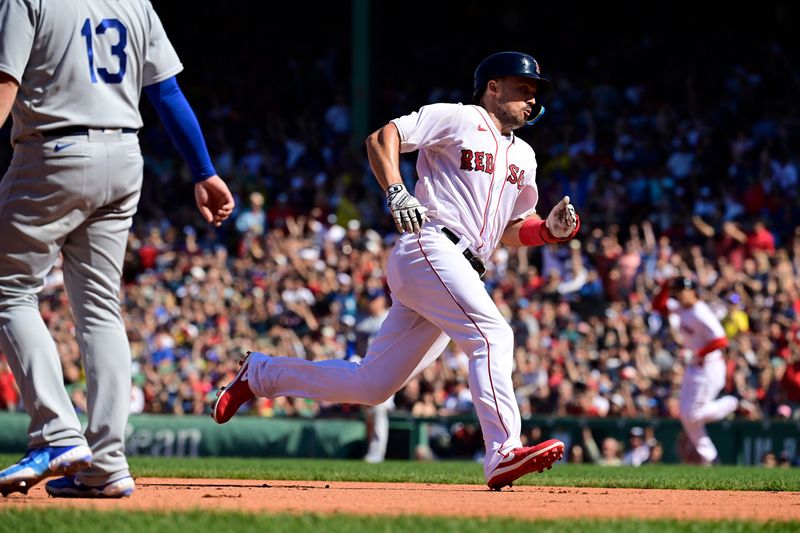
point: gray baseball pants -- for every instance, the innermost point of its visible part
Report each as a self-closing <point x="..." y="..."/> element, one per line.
<point x="74" y="195"/>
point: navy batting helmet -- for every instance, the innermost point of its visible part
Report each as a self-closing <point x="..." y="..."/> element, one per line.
<point x="504" y="64"/>
<point x="682" y="282"/>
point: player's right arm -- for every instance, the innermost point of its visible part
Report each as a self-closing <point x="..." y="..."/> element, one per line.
<point x="8" y="92"/>
<point x="383" y="151"/>
<point x="432" y="128"/>
<point x="17" y="31"/>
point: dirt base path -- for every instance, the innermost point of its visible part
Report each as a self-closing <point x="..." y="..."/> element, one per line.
<point x="430" y="499"/>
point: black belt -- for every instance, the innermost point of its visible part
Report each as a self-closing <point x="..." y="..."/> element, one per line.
<point x="80" y="130"/>
<point x="473" y="259"/>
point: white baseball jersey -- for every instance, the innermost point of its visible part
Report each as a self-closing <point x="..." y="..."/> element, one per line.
<point x="91" y="66"/>
<point x="702" y="333"/>
<point x="700" y="328"/>
<point x="472" y="178"/>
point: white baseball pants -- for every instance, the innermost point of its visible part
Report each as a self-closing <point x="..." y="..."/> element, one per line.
<point x="700" y="387"/>
<point x="436" y="296"/>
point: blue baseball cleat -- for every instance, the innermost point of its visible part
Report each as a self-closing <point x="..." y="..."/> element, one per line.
<point x="41" y="463"/>
<point x="70" y="487"/>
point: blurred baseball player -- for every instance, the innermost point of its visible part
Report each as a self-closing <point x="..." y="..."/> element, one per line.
<point x="703" y="340"/>
<point x="476" y="188"/>
<point x="74" y="71"/>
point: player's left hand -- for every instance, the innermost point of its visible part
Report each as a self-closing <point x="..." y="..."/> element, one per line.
<point x="562" y="220"/>
<point x="214" y="200"/>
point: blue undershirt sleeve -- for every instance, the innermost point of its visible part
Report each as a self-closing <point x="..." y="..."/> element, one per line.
<point x="181" y="124"/>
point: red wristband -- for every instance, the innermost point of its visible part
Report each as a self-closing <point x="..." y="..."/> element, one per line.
<point x="716" y="344"/>
<point x="534" y="232"/>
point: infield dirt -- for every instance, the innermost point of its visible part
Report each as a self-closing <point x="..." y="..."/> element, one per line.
<point x="430" y="499"/>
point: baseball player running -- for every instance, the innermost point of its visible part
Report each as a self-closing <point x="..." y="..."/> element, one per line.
<point x="703" y="339"/>
<point x="476" y="188"/>
<point x="74" y="71"/>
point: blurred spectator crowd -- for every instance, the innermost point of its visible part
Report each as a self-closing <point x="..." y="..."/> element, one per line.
<point x="697" y="176"/>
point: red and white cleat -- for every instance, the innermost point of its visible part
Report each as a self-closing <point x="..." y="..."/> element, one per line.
<point x="233" y="395"/>
<point x="521" y="461"/>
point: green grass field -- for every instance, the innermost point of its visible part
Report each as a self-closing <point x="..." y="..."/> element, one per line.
<point x="466" y="472"/>
<point x="461" y="472"/>
<point x="135" y="522"/>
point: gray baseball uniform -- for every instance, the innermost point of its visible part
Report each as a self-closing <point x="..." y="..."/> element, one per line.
<point x="72" y="188"/>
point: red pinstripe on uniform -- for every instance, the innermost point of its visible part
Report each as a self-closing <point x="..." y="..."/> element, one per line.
<point x="500" y="198"/>
<point x="488" y="346"/>
<point x="494" y="171"/>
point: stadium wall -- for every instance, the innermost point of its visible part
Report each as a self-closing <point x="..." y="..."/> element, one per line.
<point x="739" y="442"/>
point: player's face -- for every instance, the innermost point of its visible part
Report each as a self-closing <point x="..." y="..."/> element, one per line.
<point x="515" y="99"/>
<point x="686" y="297"/>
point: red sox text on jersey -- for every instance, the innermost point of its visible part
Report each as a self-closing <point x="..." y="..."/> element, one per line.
<point x="484" y="162"/>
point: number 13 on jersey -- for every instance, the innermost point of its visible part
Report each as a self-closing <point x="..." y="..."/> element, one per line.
<point x="105" y="38"/>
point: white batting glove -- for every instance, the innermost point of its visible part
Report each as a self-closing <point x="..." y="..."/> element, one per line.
<point x="688" y="357"/>
<point x="408" y="213"/>
<point x="562" y="220"/>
